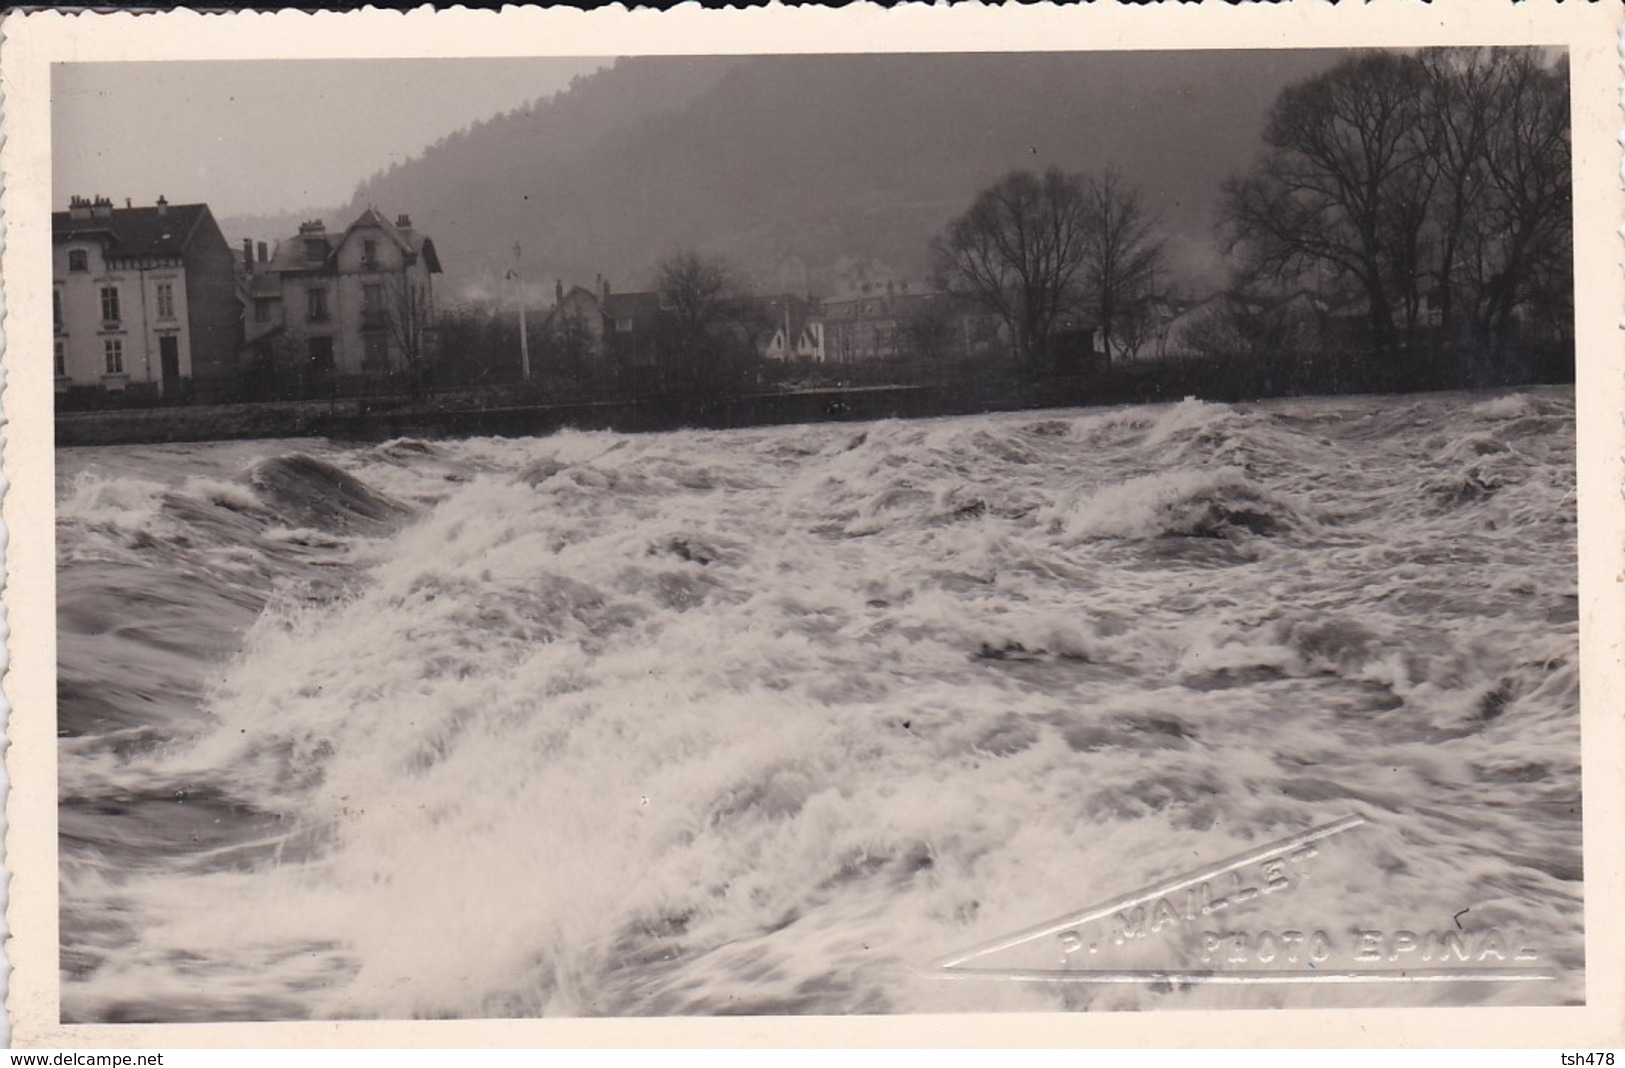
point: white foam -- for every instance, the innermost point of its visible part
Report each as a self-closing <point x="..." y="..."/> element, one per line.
<point x="765" y="720"/>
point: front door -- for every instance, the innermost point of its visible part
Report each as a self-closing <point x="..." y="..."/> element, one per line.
<point x="169" y="358"/>
<point x="319" y="368"/>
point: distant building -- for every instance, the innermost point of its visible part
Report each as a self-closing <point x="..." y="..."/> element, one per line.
<point x="794" y="329"/>
<point x="144" y="302"/>
<point x="600" y="325"/>
<point x="1188" y="327"/>
<point x="341" y="311"/>
<point x="576" y="320"/>
<point x="1075" y="342"/>
<point x="892" y="321"/>
<point x="1230" y="321"/>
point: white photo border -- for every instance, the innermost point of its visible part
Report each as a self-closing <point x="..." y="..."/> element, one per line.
<point x="32" y="42"/>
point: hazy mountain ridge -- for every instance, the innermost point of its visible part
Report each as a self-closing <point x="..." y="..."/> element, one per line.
<point x="445" y="183"/>
<point x="791" y="165"/>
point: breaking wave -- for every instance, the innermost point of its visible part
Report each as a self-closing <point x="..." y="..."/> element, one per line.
<point x="764" y="721"/>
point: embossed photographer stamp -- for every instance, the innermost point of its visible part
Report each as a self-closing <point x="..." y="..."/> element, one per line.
<point x="1191" y="904"/>
<point x="1179" y="903"/>
<point x="1491" y="946"/>
<point x="1212" y="926"/>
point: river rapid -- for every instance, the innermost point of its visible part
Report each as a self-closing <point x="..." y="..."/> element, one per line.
<point x="769" y="720"/>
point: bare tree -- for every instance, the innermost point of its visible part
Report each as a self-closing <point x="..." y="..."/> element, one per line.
<point x="1122" y="256"/>
<point x="1528" y="163"/>
<point x="1458" y="115"/>
<point x="409" y="315"/>
<point x="1020" y="251"/>
<point x="1136" y="327"/>
<point x="567" y="347"/>
<point x="1340" y="182"/>
<point x="709" y="322"/>
<point x="1443" y="172"/>
<point x="928" y="334"/>
<point x="696" y="289"/>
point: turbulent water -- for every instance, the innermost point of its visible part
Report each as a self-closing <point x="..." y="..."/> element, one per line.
<point x="767" y="721"/>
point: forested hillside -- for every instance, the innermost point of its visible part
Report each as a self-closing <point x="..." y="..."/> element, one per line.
<point x="793" y="166"/>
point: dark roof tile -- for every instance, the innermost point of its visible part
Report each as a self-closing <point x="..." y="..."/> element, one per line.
<point x="135" y="231"/>
<point x="635" y="306"/>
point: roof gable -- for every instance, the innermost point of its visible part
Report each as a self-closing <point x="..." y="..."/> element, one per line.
<point x="290" y="257"/>
<point x="407" y="239"/>
<point x="578" y="294"/>
<point x="370" y="219"/>
<point x="574" y="303"/>
<point x="797" y="310"/>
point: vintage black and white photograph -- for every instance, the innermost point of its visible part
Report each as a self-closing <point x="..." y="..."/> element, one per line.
<point x="816" y="534"/>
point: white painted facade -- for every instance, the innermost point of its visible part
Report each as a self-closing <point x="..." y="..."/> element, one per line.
<point x="117" y="322"/>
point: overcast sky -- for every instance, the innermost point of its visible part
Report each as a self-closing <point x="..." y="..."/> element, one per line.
<point x="264" y="137"/>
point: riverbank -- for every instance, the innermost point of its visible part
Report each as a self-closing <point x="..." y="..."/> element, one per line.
<point x="374" y="420"/>
<point x="211" y="422"/>
<point x="522" y="412"/>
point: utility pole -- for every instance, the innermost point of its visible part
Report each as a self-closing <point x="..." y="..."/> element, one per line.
<point x="524" y="341"/>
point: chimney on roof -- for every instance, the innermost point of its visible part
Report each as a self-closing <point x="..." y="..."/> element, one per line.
<point x="605" y="284"/>
<point x="262" y="251"/>
<point x="314" y="226"/>
<point x="102" y="208"/>
<point x="78" y="208"/>
<point x="163" y="206"/>
<point x="404" y="221"/>
<point x="127" y="204"/>
<point x="248" y="253"/>
<point x="558" y="291"/>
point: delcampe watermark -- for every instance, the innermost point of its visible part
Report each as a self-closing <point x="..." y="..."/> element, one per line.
<point x="1207" y="920"/>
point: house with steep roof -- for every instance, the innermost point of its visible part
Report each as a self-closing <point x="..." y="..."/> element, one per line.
<point x="144" y="302"/>
<point x="633" y="327"/>
<point x="793" y="332"/>
<point x="1188" y="329"/>
<point x="600" y="325"/>
<point x="1230" y="320"/>
<point x="335" y="312"/>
